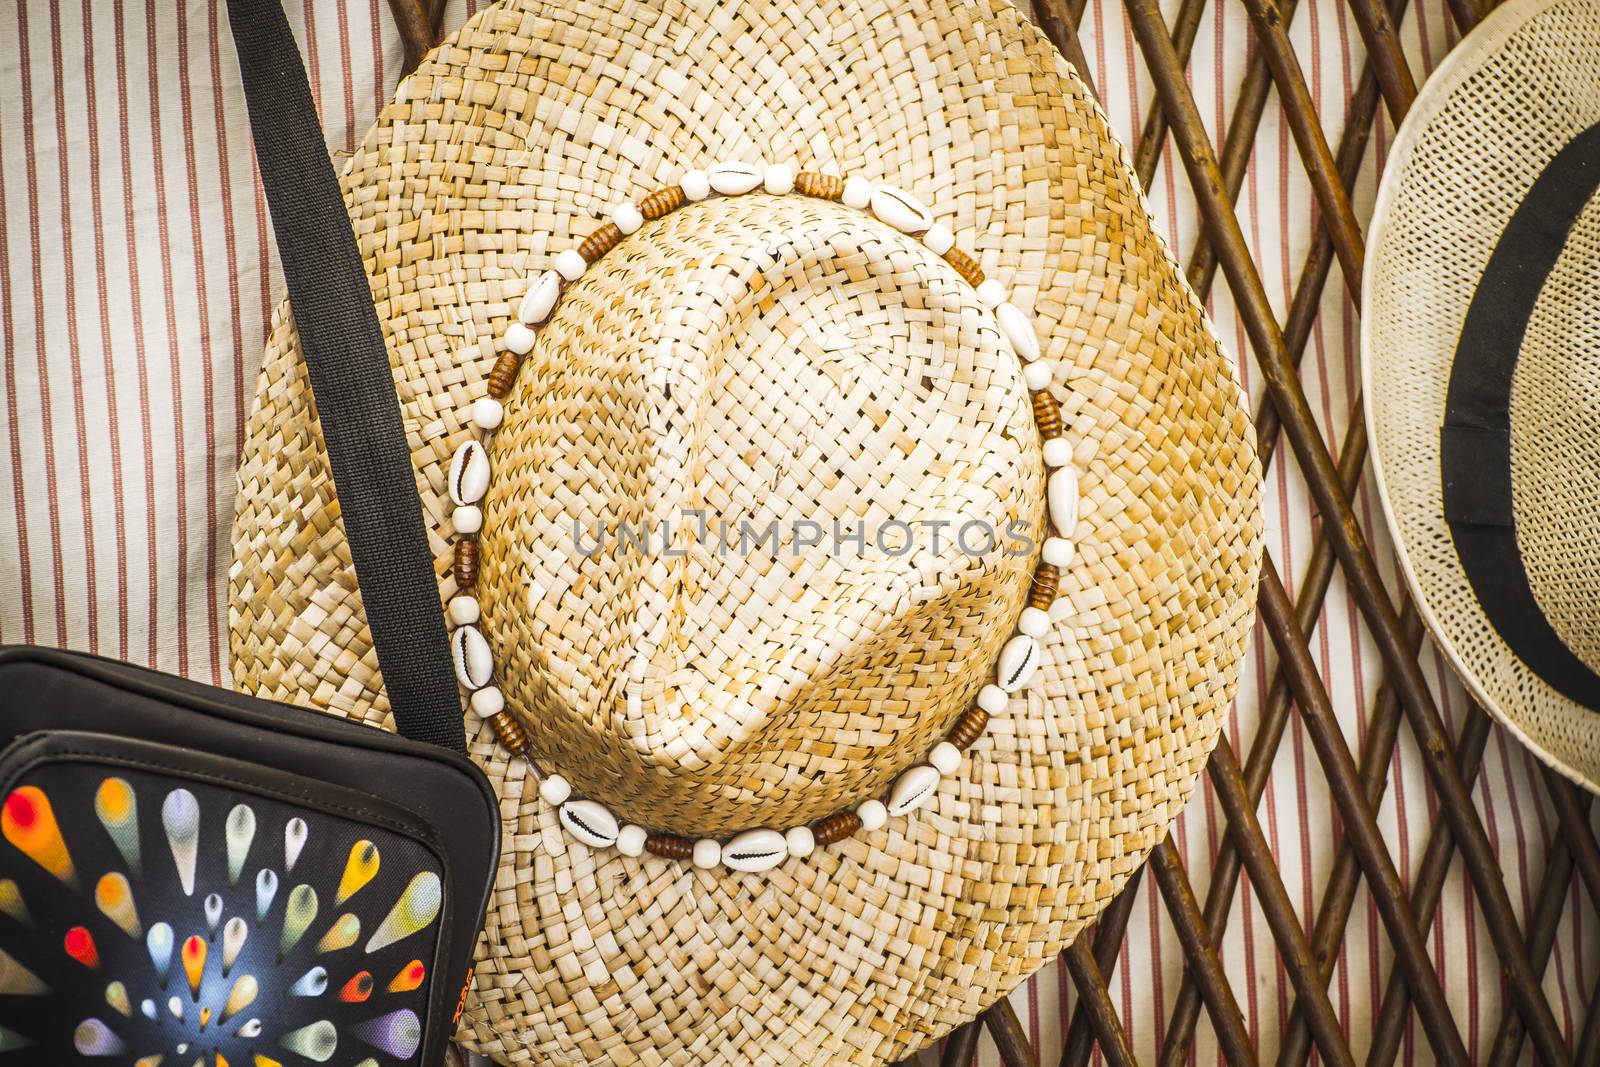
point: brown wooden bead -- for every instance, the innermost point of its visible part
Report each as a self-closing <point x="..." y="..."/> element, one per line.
<point x="503" y="374"/>
<point x="1046" y="578"/>
<point x="669" y="846"/>
<point x="466" y="562"/>
<point x="836" y="827"/>
<point x="662" y="202"/>
<point x="965" y="266"/>
<point x="968" y="728"/>
<point x="600" y="242"/>
<point x="821" y="186"/>
<point x="1047" y="414"/>
<point x="513" y="738"/>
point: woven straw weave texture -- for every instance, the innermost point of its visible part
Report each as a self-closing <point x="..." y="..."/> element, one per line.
<point x="501" y="150"/>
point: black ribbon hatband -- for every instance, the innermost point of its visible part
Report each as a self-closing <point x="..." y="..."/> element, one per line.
<point x="1475" y="440"/>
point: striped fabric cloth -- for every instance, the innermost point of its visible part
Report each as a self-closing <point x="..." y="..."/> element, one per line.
<point x="136" y="278"/>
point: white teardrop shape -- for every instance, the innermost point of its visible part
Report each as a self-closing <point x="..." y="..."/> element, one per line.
<point x="1018" y="660"/>
<point x="901" y="210"/>
<point x="295" y="833"/>
<point x="913" y="789"/>
<point x="1018" y="328"/>
<point x="469" y="473"/>
<point x="474" y="662"/>
<point x="755" y="850"/>
<point x="733" y="178"/>
<point x="589" y="822"/>
<point x="1062" y="493"/>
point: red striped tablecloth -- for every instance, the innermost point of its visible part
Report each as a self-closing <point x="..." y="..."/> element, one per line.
<point x="136" y="278"/>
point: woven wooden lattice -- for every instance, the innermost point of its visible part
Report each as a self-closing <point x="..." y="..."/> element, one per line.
<point x="1358" y="780"/>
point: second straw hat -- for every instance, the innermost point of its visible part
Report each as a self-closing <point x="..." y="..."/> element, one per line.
<point x="724" y="345"/>
<point x="1481" y="367"/>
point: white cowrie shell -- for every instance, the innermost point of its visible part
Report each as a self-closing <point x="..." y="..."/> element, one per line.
<point x="707" y="853"/>
<point x="800" y="841"/>
<point x="1018" y="660"/>
<point x="913" y="789"/>
<point x="872" y="814"/>
<point x="630" y="840"/>
<point x="901" y="210"/>
<point x="555" y="790"/>
<point x="945" y="758"/>
<point x="473" y="660"/>
<point x="733" y="178"/>
<point x="469" y="473"/>
<point x="1061" y="491"/>
<point x="755" y="850"/>
<point x="1018" y="328"/>
<point x="589" y="822"/>
<point x="1057" y="551"/>
<point x="857" y="193"/>
<point x="540" y="299"/>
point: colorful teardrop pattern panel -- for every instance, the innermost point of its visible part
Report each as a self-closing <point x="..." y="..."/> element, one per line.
<point x="218" y="953"/>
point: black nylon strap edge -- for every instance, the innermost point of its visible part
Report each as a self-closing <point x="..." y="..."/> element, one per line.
<point x="1475" y="440"/>
<point x="350" y="380"/>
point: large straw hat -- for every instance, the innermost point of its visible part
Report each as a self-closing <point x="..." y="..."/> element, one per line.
<point x="780" y="358"/>
<point x="1480" y="345"/>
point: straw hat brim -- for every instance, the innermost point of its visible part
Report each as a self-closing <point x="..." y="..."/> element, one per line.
<point x="1461" y="163"/>
<point x="499" y="151"/>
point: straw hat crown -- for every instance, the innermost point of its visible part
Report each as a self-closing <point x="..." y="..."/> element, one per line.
<point x="775" y="357"/>
<point x="764" y="508"/>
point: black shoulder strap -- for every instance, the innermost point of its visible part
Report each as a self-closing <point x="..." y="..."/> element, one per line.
<point x="350" y="379"/>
